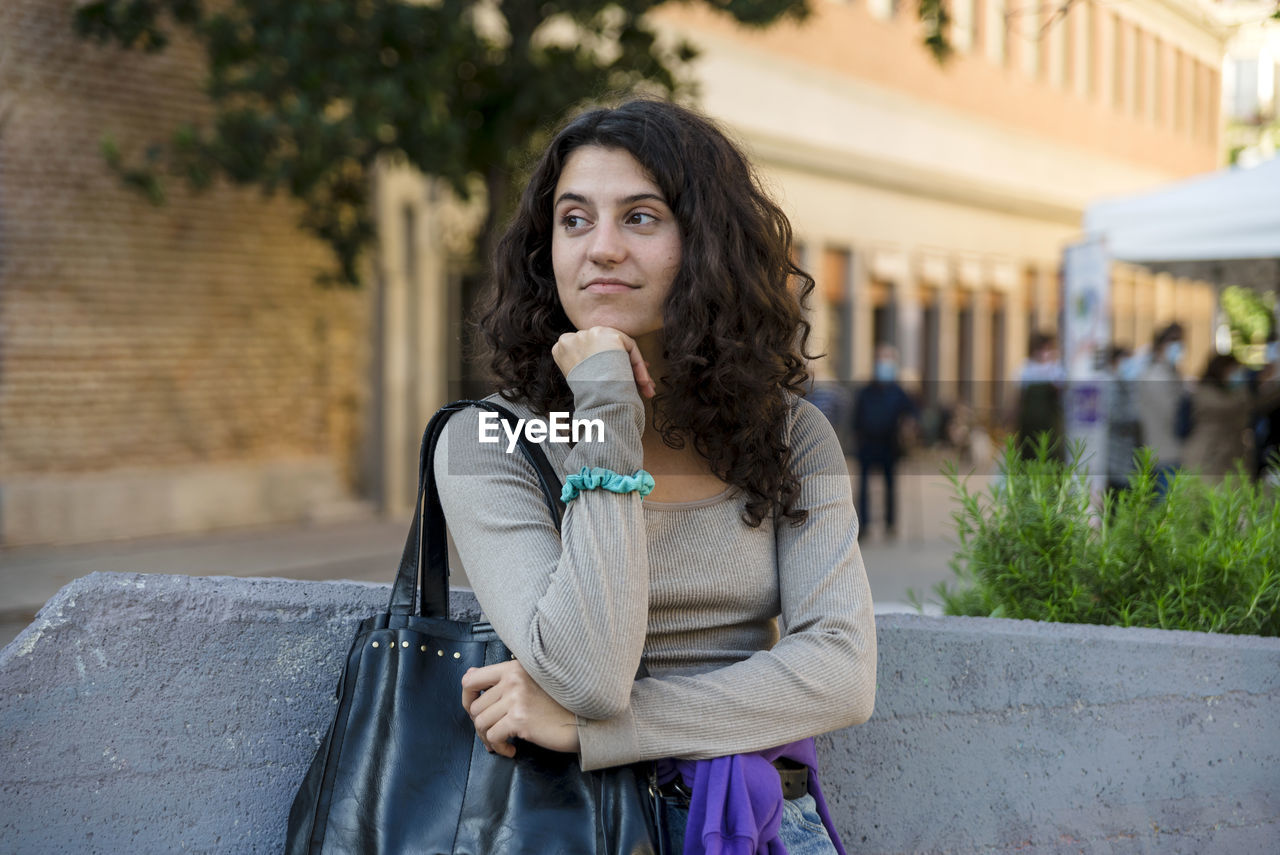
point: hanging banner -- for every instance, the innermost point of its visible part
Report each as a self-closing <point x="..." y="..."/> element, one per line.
<point x="1086" y="336"/>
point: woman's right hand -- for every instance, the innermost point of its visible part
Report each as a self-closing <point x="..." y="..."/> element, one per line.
<point x="574" y="347"/>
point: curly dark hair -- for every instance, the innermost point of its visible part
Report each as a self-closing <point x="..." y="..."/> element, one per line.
<point x="734" y="332"/>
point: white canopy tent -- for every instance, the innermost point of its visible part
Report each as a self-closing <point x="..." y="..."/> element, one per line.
<point x="1229" y="215"/>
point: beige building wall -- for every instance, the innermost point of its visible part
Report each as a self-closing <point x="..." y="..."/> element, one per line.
<point x="162" y="368"/>
<point x="955" y="187"/>
<point x="424" y="242"/>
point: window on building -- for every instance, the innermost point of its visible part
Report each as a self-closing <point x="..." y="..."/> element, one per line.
<point x="412" y="332"/>
<point x="1070" y="40"/>
<point x="1236" y="89"/>
<point x="964" y="355"/>
<point x="1244" y="101"/>
<point x="1179" y="90"/>
<point x="883" y="323"/>
<point x="1271" y="89"/>
<point x="1213" y="102"/>
<point x="930" y="328"/>
<point x="409" y="237"/>
<point x="1139" y="73"/>
<point x="994" y="31"/>
<point x="1054" y="35"/>
<point x="836" y="268"/>
<point x="1158" y="83"/>
<point x="1081" y="50"/>
<point x="1197" y="85"/>
<point x="979" y="28"/>
<point x="962" y="20"/>
<point x="1119" y="63"/>
<point x="1093" y="47"/>
<point x="1026" y="28"/>
<point x="999" y="360"/>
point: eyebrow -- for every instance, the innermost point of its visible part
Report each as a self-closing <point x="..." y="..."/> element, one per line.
<point x="626" y="200"/>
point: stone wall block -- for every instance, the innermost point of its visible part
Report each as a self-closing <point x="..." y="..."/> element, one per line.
<point x="148" y="713"/>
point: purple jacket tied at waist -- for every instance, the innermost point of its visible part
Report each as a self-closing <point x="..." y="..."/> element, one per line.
<point x="736" y="803"/>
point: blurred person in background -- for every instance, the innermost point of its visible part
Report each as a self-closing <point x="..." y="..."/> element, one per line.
<point x="1124" y="430"/>
<point x="1039" y="404"/>
<point x="960" y="426"/>
<point x="1219" y="418"/>
<point x="1266" y="410"/>
<point x="879" y="412"/>
<point x="831" y="397"/>
<point x="1158" y="392"/>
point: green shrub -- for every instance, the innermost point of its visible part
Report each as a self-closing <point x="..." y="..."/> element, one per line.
<point x="1035" y="546"/>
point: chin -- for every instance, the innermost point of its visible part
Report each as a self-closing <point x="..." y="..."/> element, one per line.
<point x="628" y="326"/>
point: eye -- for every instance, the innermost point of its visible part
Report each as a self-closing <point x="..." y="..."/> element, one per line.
<point x="640" y="218"/>
<point x="573" y="221"/>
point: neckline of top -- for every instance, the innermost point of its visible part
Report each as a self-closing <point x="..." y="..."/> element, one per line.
<point x="724" y="494"/>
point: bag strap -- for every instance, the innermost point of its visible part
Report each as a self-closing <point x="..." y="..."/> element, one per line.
<point x="424" y="565"/>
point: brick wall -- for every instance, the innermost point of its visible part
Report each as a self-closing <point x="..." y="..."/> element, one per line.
<point x="140" y="336"/>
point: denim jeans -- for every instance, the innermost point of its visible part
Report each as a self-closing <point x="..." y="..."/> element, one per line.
<point x="802" y="831"/>
<point x="885" y="460"/>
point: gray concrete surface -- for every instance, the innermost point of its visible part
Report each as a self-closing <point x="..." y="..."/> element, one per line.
<point x="150" y="713"/>
<point x="368" y="549"/>
<point x="1015" y="736"/>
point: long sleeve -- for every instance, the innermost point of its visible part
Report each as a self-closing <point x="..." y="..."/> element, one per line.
<point x="572" y="607"/>
<point x="818" y="677"/>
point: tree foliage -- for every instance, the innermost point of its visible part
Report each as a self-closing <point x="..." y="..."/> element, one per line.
<point x="309" y="95"/>
<point x="1251" y="318"/>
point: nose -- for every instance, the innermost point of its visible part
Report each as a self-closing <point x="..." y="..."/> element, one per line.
<point x="608" y="246"/>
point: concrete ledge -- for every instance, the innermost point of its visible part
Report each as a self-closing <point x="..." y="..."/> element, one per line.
<point x="146" y="713"/>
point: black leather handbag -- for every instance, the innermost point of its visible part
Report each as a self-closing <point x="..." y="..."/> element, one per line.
<point x="402" y="770"/>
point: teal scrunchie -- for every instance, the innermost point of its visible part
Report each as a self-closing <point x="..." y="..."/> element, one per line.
<point x="606" y="479"/>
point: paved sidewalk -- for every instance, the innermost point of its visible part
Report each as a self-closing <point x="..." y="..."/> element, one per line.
<point x="369" y="551"/>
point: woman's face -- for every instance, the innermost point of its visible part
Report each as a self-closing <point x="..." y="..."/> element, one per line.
<point x="615" y="245"/>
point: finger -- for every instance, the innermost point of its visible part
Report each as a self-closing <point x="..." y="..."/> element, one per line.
<point x="500" y="735"/>
<point x="482" y="702"/>
<point x="475" y="683"/>
<point x="469" y="691"/>
<point x="469" y="697"/>
<point x="487" y="718"/>
<point x="639" y="367"/>
<point x="485" y="677"/>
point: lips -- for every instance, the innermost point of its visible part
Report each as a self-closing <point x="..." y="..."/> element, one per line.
<point x="609" y="286"/>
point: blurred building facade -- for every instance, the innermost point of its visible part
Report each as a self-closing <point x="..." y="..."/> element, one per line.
<point x="1251" y="80"/>
<point x="176" y="368"/>
<point x="162" y="368"/>
<point x="933" y="201"/>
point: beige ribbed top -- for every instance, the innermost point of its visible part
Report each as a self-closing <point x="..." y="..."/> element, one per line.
<point x="689" y="586"/>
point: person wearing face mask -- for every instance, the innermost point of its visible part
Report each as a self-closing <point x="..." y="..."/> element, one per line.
<point x="1220" y="415"/>
<point x="1159" y="390"/>
<point x="878" y="414"/>
<point x="1124" y="430"/>
<point x="1039" y="404"/>
<point x="1266" y="408"/>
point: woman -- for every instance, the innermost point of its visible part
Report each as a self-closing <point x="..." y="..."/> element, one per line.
<point x="1219" y="418"/>
<point x="646" y="282"/>
<point x="1124" y="429"/>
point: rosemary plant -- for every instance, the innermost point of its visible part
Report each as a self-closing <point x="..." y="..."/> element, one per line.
<point x="1036" y="545"/>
